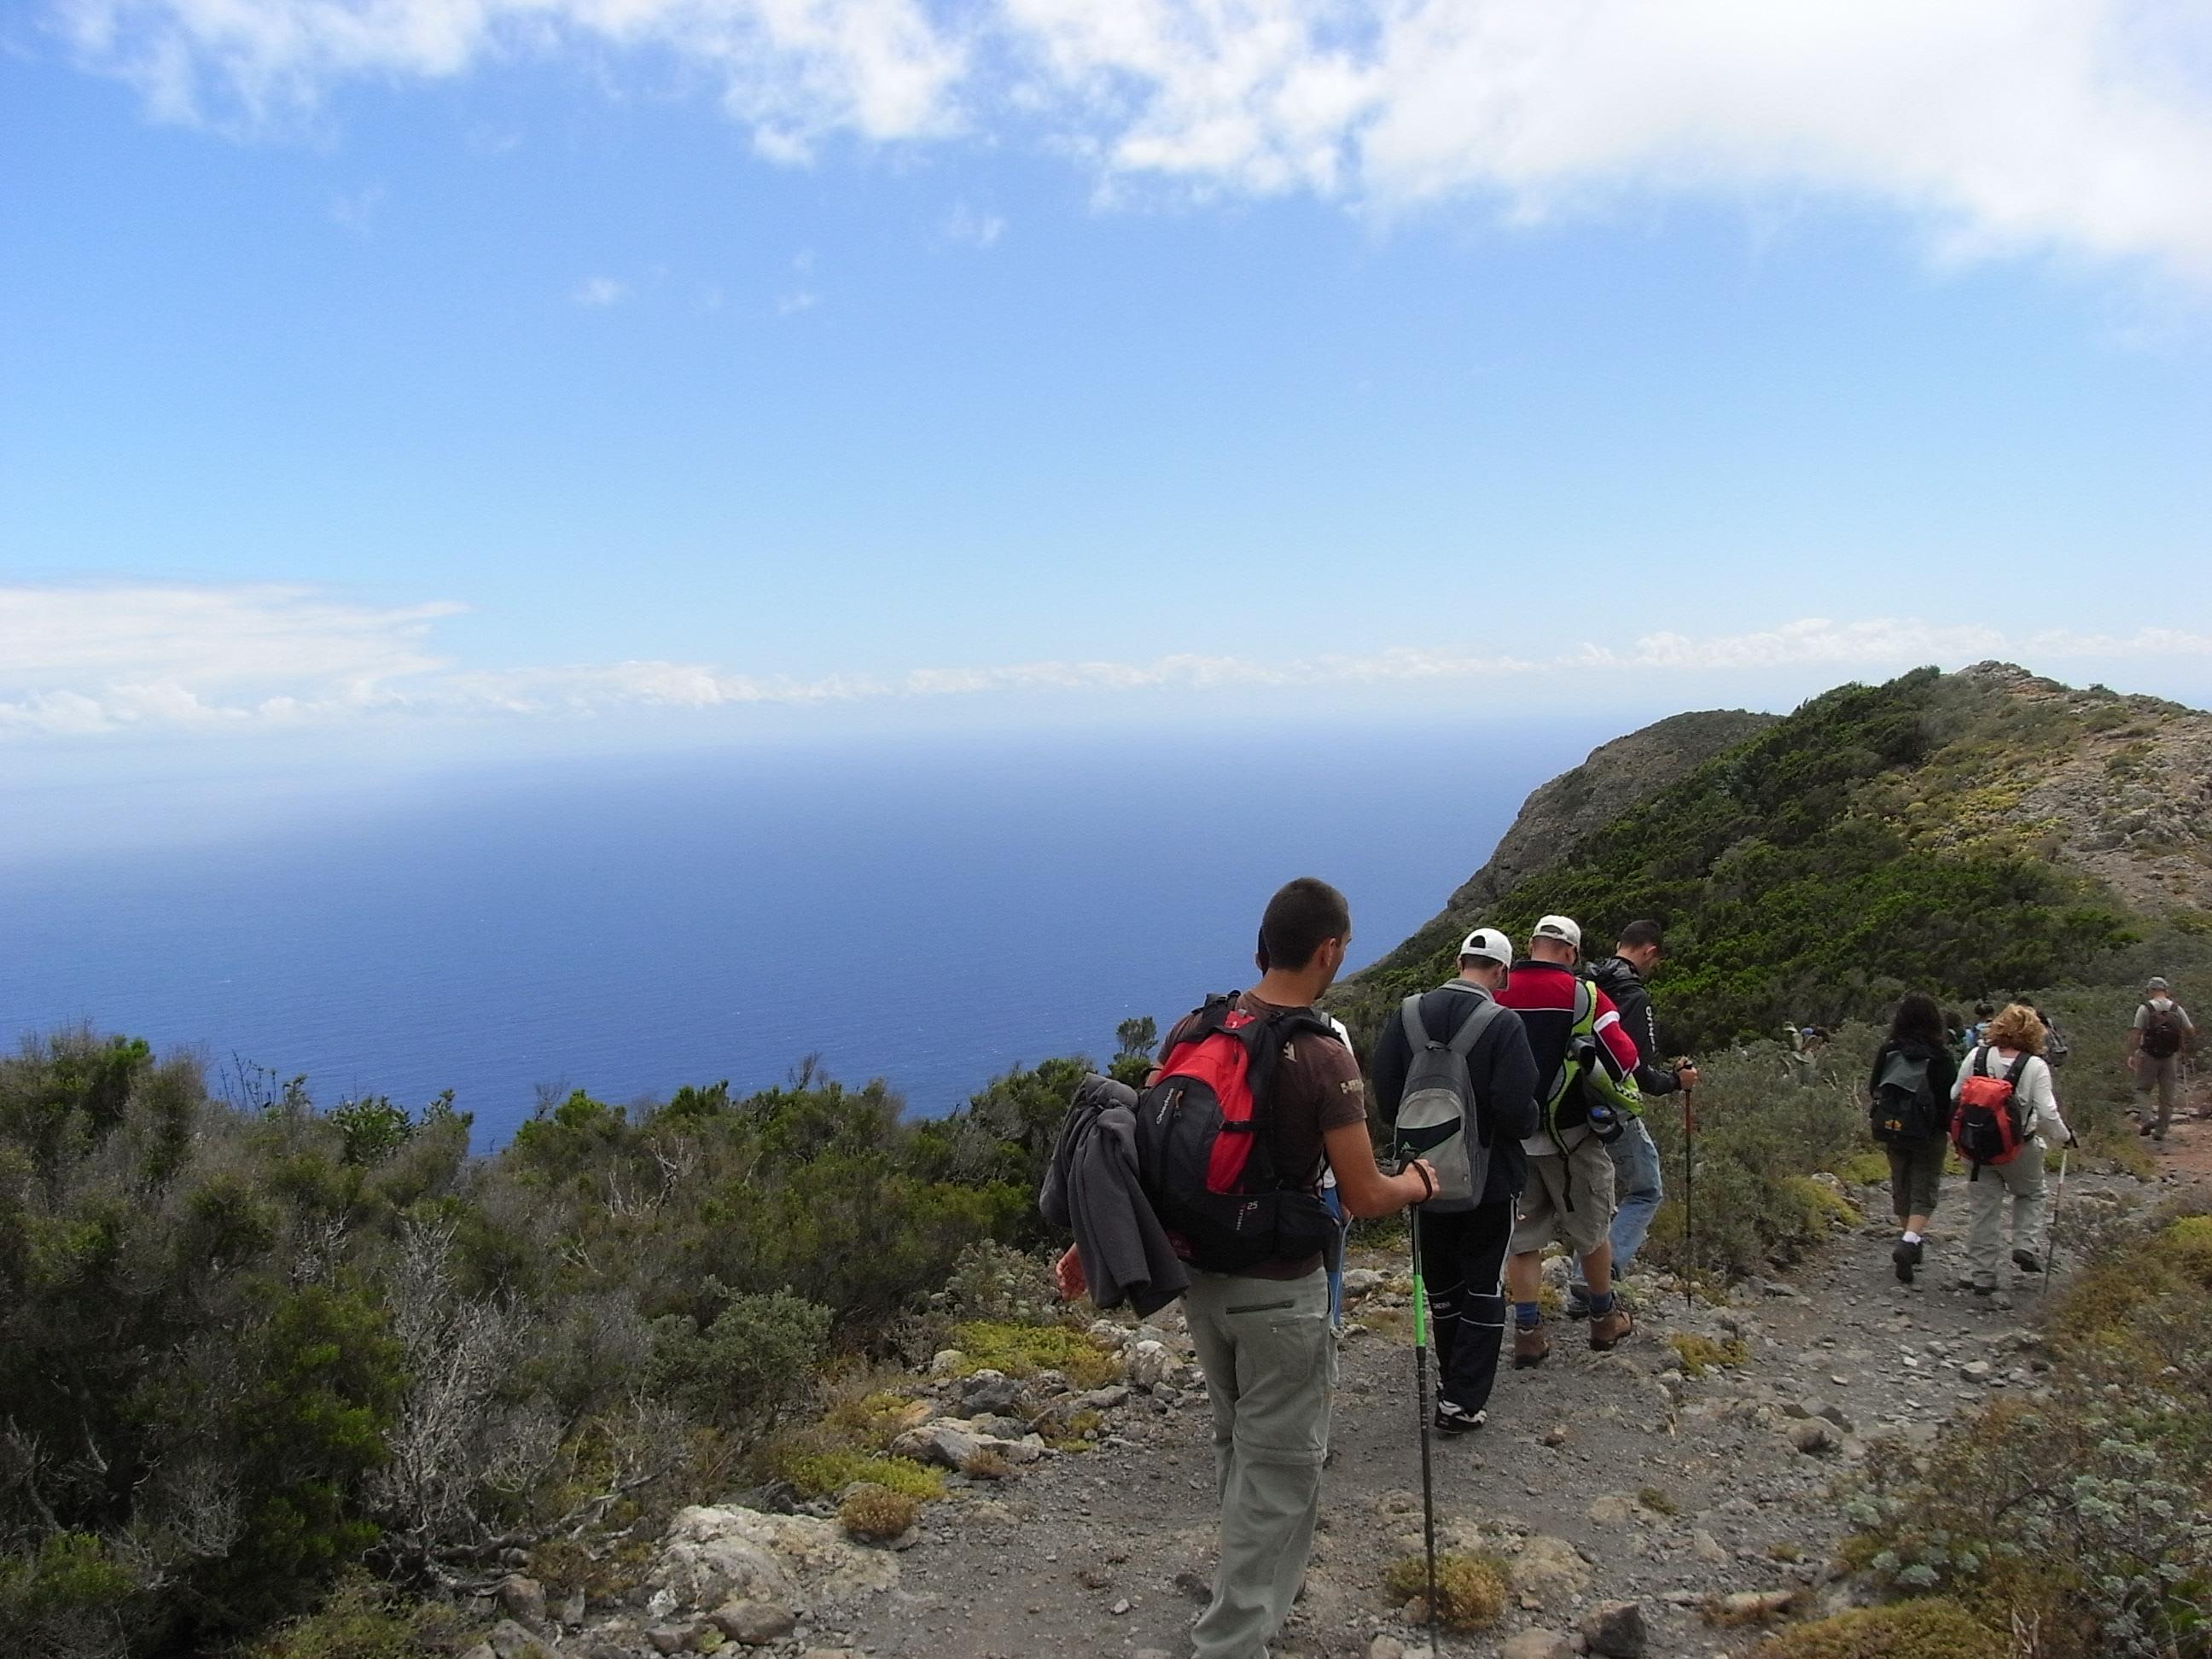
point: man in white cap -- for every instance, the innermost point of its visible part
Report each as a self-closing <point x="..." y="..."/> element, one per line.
<point x="2161" y="1035"/>
<point x="1587" y="1092"/>
<point x="1463" y="1242"/>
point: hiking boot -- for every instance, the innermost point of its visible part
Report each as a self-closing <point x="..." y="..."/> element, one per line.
<point x="1456" y="1419"/>
<point x="1905" y="1252"/>
<point x="1985" y="1290"/>
<point x="1532" y="1344"/>
<point x="2025" y="1261"/>
<point x="1610" y="1329"/>
<point x="2146" y="1128"/>
<point x="1577" y="1306"/>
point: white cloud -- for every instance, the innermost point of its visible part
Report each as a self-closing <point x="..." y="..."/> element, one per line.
<point x="82" y="661"/>
<point x="600" y="291"/>
<point x="796" y="301"/>
<point x="977" y="229"/>
<point x="2083" y="126"/>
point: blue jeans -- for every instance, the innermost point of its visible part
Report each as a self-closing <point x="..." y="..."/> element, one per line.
<point x="1334" y="1205"/>
<point x="1637" y="1189"/>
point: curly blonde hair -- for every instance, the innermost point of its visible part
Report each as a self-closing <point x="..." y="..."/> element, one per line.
<point x="2019" y="1029"/>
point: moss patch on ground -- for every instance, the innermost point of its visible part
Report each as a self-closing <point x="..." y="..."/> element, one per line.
<point x="1471" y="1588"/>
<point x="1025" y="1350"/>
<point x="1933" y="1628"/>
<point x="1700" y="1354"/>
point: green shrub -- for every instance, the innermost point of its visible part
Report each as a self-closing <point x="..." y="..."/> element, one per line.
<point x="1471" y="1588"/>
<point x="364" y="1619"/>
<point x="1931" y="1628"/>
<point x="751" y="1365"/>
<point x="817" y="1471"/>
<point x="71" y="1598"/>
<point x="1025" y="1350"/>
<point x="877" y="1513"/>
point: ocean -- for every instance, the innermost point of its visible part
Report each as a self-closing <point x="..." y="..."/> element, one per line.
<point x="929" y="911"/>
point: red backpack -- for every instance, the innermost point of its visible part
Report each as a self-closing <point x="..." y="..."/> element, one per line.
<point x="1987" y="1127"/>
<point x="1205" y="1155"/>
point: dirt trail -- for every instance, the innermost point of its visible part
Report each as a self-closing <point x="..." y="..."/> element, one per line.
<point x="1610" y="1477"/>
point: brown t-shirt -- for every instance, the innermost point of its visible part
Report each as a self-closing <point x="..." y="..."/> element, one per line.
<point x="1316" y="1089"/>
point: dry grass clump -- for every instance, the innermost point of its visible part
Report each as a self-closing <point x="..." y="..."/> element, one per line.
<point x="1700" y="1354"/>
<point x="986" y="1464"/>
<point x="877" y="1514"/>
<point x="1932" y="1627"/>
<point x="1471" y="1589"/>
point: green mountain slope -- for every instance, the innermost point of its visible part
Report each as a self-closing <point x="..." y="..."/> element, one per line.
<point x="1951" y="832"/>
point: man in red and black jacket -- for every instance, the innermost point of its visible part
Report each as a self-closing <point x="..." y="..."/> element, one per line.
<point x="1569" y="1196"/>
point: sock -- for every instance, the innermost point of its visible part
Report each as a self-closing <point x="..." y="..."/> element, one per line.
<point x="1912" y="1238"/>
<point x="1527" y="1316"/>
<point x="1601" y="1303"/>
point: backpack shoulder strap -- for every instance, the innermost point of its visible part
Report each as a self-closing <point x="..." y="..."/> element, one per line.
<point x="2019" y="1068"/>
<point x="1471" y="1028"/>
<point x="1982" y="1061"/>
<point x="1409" y="1016"/>
<point x="1585" y="1007"/>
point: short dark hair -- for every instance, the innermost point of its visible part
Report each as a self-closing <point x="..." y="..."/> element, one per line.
<point x="1301" y="915"/>
<point x="1638" y="934"/>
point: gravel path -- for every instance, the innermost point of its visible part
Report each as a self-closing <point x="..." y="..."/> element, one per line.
<point x="1604" y="1477"/>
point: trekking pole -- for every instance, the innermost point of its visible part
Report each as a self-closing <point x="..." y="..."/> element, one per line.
<point x="2051" y="1249"/>
<point x="1689" y="1194"/>
<point x="1421" y="1410"/>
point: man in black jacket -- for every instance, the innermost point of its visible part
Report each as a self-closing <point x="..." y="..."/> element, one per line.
<point x="1637" y="1185"/>
<point x="1463" y="1252"/>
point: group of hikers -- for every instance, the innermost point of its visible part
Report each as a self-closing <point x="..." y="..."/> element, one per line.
<point x="1513" y="1094"/>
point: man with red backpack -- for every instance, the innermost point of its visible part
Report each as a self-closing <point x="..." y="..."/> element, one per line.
<point x="1263" y="1083"/>
<point x="2161" y="1035"/>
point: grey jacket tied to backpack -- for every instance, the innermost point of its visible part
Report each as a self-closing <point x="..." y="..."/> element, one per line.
<point x="1091" y="1189"/>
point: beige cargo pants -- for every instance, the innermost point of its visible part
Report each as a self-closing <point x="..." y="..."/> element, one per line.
<point x="1270" y="1365"/>
<point x="2021" y="1182"/>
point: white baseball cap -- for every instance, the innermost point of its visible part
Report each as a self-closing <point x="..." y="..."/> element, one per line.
<point x="1488" y="944"/>
<point x="1560" y="927"/>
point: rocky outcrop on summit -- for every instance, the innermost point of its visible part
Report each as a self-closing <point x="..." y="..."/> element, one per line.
<point x="1613" y="778"/>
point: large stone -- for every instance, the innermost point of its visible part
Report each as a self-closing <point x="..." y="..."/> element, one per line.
<point x="1610" y="1511"/>
<point x="714" y="1554"/>
<point x="1549" y="1569"/>
<point x="511" y="1640"/>
<point x="989" y="1394"/>
<point x="1537" y="1644"/>
<point x="953" y="1443"/>
<point x="522" y="1600"/>
<point x="1616" y="1628"/>
<point x="1812" y="1435"/>
<point x="1152" y="1366"/>
<point x="755" y="1624"/>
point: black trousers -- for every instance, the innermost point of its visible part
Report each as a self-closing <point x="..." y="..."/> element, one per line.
<point x="1463" y="1262"/>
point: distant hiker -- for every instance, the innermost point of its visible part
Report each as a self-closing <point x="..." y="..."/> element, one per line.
<point x="1983" y="1014"/>
<point x="2056" y="1048"/>
<point x="1637" y="1185"/>
<point x="1911" y="1094"/>
<point x="1463" y="1240"/>
<point x="1586" y="1092"/>
<point x="2005" y="1111"/>
<point x="2162" y="1036"/>
<point x="1260" y="1322"/>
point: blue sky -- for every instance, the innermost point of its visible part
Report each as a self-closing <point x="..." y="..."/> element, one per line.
<point x="515" y="373"/>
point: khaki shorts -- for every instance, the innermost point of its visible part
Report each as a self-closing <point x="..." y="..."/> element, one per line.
<point x="1583" y="1176"/>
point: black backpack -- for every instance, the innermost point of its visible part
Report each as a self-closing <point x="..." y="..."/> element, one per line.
<point x="1904" y="1109"/>
<point x="1205" y="1154"/>
<point x="2161" y="1031"/>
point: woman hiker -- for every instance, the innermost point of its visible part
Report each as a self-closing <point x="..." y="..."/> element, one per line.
<point x="2013" y="1038"/>
<point x="1911" y="1089"/>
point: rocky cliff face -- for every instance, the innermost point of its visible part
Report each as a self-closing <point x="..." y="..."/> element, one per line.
<point x="1615" y="778"/>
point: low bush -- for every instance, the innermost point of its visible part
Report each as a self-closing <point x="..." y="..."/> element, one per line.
<point x="817" y="1473"/>
<point x="877" y="1514"/>
<point x="1930" y="1628"/>
<point x="1699" y="1354"/>
<point x="1025" y="1350"/>
<point x="364" y="1619"/>
<point x="2085" y="1518"/>
<point x="1471" y="1588"/>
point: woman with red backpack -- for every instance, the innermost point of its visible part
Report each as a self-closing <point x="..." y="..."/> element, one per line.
<point x="2005" y="1110"/>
